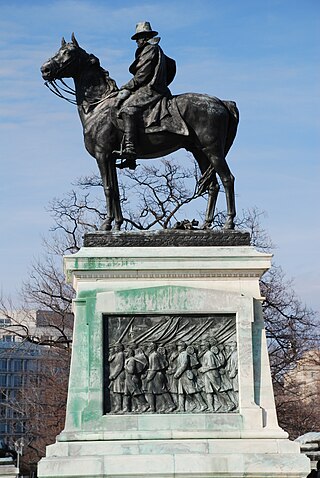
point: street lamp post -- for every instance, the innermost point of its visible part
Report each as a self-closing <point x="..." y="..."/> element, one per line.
<point x="18" y="446"/>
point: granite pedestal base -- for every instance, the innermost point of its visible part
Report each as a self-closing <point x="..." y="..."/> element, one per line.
<point x="150" y="281"/>
<point x="176" y="458"/>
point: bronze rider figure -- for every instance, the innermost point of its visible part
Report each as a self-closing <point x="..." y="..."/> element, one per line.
<point x="152" y="72"/>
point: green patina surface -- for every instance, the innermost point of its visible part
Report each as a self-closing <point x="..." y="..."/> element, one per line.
<point x="87" y="366"/>
<point x="153" y="299"/>
<point x="89" y="294"/>
<point x="98" y="263"/>
<point x="93" y="412"/>
<point x="75" y="408"/>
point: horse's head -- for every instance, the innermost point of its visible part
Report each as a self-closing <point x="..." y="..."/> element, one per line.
<point x="66" y="63"/>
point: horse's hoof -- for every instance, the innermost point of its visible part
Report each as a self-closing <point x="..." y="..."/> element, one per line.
<point x="205" y="226"/>
<point x="229" y="226"/>
<point x="105" y="226"/>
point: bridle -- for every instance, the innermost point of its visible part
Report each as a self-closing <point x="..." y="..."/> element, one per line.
<point x="57" y="89"/>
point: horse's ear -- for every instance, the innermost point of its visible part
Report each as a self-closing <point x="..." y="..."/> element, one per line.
<point x="74" y="41"/>
<point x="63" y="42"/>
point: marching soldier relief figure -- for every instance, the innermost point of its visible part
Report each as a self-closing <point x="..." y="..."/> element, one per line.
<point x="117" y="376"/>
<point x="211" y="377"/>
<point x="156" y="390"/>
<point x="232" y="370"/>
<point x="187" y="386"/>
<point x="133" y="396"/>
<point x="226" y="388"/>
<point x="153" y="71"/>
<point x="173" y="383"/>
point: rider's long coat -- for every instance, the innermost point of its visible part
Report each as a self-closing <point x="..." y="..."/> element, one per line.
<point x="153" y="71"/>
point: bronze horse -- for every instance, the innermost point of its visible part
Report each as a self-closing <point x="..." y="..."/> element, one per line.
<point x="212" y="126"/>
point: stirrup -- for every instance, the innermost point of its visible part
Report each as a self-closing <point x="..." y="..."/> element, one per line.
<point x="128" y="155"/>
<point x="127" y="163"/>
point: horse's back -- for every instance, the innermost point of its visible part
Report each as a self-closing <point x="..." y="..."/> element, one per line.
<point x="205" y="105"/>
<point x="209" y="117"/>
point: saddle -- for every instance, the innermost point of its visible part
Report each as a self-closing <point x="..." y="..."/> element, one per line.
<point x="163" y="116"/>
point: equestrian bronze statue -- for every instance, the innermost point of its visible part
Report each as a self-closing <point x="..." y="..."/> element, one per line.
<point x="143" y="120"/>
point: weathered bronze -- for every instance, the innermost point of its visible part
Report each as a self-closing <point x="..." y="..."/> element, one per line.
<point x="166" y="364"/>
<point x="143" y="120"/>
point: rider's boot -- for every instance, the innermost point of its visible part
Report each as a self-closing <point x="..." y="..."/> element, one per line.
<point x="130" y="131"/>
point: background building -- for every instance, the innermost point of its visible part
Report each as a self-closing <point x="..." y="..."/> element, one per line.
<point x="304" y="379"/>
<point x="19" y="362"/>
<point x="28" y="354"/>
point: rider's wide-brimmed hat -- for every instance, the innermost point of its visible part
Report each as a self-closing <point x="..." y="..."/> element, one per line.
<point x="143" y="29"/>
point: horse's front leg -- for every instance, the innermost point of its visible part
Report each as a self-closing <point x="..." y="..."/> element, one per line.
<point x="106" y="177"/>
<point x="116" y="195"/>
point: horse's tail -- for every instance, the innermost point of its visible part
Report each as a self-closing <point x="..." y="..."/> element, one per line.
<point x="233" y="123"/>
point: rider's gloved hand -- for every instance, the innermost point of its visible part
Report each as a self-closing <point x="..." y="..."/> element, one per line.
<point x="122" y="95"/>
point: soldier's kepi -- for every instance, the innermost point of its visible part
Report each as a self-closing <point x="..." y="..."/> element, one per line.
<point x="152" y="72"/>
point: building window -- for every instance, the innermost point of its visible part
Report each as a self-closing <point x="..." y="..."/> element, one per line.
<point x="3" y="427"/>
<point x="16" y="414"/>
<point x="20" y="427"/>
<point x="3" y="395"/>
<point x="31" y="365"/>
<point x="16" y="365"/>
<point x="8" y="338"/>
<point x="3" y="364"/>
<point x="3" y="380"/>
<point x="17" y="380"/>
<point x="5" y="321"/>
<point x="12" y="394"/>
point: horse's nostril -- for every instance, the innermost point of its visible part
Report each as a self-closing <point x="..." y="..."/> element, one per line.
<point x="45" y="68"/>
<point x="45" y="72"/>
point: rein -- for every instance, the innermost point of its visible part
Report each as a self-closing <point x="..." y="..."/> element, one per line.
<point x="55" y="89"/>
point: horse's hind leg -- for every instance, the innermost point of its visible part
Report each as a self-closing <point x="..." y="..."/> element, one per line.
<point x="219" y="164"/>
<point x="210" y="184"/>
<point x="213" y="191"/>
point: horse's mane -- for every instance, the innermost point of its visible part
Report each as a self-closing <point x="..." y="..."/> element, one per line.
<point x="111" y="83"/>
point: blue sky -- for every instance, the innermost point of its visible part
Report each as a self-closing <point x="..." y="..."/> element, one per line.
<point x="262" y="54"/>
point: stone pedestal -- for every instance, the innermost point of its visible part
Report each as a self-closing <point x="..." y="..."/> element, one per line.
<point x="192" y="280"/>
